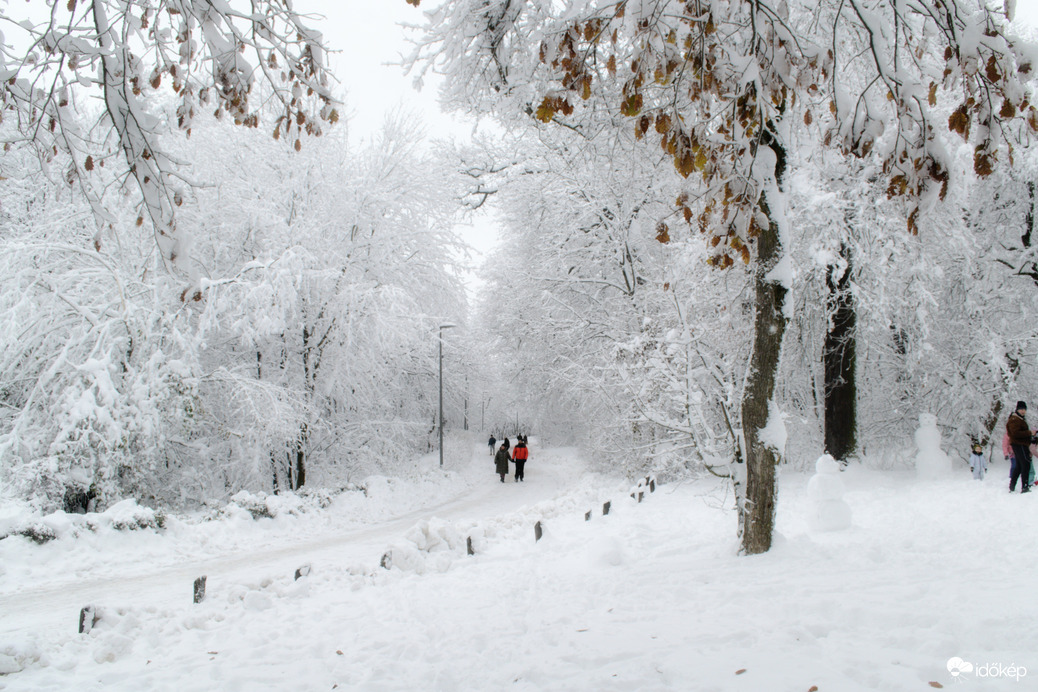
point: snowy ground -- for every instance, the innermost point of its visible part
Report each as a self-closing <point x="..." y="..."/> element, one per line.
<point x="650" y="597"/>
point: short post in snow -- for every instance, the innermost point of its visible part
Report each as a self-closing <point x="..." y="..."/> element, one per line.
<point x="303" y="571"/>
<point x="468" y="546"/>
<point x="587" y="515"/>
<point x="538" y="532"/>
<point x="652" y="485"/>
<point x="87" y="619"/>
<point x="200" y="589"/>
<point x="387" y="561"/>
<point x="640" y="496"/>
<point x="605" y="508"/>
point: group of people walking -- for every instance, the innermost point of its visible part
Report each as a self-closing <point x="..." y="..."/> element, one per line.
<point x="505" y="453"/>
<point x="1018" y="448"/>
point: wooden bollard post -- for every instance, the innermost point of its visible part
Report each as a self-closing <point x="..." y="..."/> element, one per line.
<point x="652" y="485"/>
<point x="605" y="508"/>
<point x="200" y="589"/>
<point x="468" y="546"/>
<point x="587" y="515"/>
<point x="640" y="496"/>
<point x="537" y="531"/>
<point x="303" y="571"/>
<point x="87" y="619"/>
<point x="387" y="561"/>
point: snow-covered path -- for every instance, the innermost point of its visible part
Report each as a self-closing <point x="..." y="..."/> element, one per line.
<point x="928" y="588"/>
<point x="48" y="601"/>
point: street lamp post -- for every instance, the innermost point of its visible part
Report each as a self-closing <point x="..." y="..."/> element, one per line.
<point x="442" y="327"/>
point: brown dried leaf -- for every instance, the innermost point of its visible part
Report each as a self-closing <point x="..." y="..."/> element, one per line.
<point x="662" y="233"/>
<point x="983" y="162"/>
<point x="991" y="70"/>
<point x="959" y="121"/>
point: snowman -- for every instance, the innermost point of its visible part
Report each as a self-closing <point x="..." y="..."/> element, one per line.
<point x="930" y="461"/>
<point x="825" y="490"/>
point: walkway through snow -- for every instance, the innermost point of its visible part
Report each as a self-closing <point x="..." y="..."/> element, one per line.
<point x="141" y="569"/>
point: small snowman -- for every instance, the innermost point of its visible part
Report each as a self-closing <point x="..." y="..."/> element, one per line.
<point x="930" y="461"/>
<point x="825" y="490"/>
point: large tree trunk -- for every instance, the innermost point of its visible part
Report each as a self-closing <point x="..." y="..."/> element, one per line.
<point x="839" y="356"/>
<point x="757" y="505"/>
<point x="757" y="513"/>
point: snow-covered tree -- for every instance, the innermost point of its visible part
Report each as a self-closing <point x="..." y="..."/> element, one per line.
<point x="154" y="65"/>
<point x="721" y="87"/>
<point x="310" y="355"/>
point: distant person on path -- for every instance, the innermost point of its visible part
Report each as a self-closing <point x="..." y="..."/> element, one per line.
<point x="501" y="461"/>
<point x="492" y="443"/>
<point x="978" y="464"/>
<point x="519" y="455"/>
<point x="1020" y="439"/>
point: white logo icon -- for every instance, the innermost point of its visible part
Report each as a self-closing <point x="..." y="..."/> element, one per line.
<point x="956" y="666"/>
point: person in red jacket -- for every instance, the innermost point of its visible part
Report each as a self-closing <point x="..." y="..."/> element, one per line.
<point x="1020" y="435"/>
<point x="519" y="456"/>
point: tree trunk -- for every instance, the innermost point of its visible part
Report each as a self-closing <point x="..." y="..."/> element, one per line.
<point x="757" y="514"/>
<point x="757" y="506"/>
<point x="301" y="444"/>
<point x="839" y="355"/>
<point x="274" y="474"/>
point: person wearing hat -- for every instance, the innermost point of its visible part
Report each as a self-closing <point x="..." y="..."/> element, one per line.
<point x="978" y="464"/>
<point x="501" y="460"/>
<point x="1020" y="440"/>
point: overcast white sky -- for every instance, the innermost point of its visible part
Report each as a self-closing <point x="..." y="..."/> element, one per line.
<point x="367" y="35"/>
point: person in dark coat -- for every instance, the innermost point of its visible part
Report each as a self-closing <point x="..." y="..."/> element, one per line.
<point x="492" y="443"/>
<point x="519" y="455"/>
<point x="507" y="444"/>
<point x="501" y="461"/>
<point x="1020" y="439"/>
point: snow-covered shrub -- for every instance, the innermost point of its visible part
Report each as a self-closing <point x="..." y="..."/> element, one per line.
<point x="129" y="516"/>
<point x="255" y="504"/>
<point x="37" y="532"/>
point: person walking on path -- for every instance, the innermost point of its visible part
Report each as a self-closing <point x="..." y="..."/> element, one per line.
<point x="519" y="455"/>
<point x="501" y="461"/>
<point x="1020" y="440"/>
<point x="492" y="443"/>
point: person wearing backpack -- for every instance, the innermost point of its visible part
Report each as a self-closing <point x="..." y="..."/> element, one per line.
<point x="519" y="456"/>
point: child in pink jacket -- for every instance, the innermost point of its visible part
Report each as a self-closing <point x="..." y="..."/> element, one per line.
<point x="1007" y="452"/>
